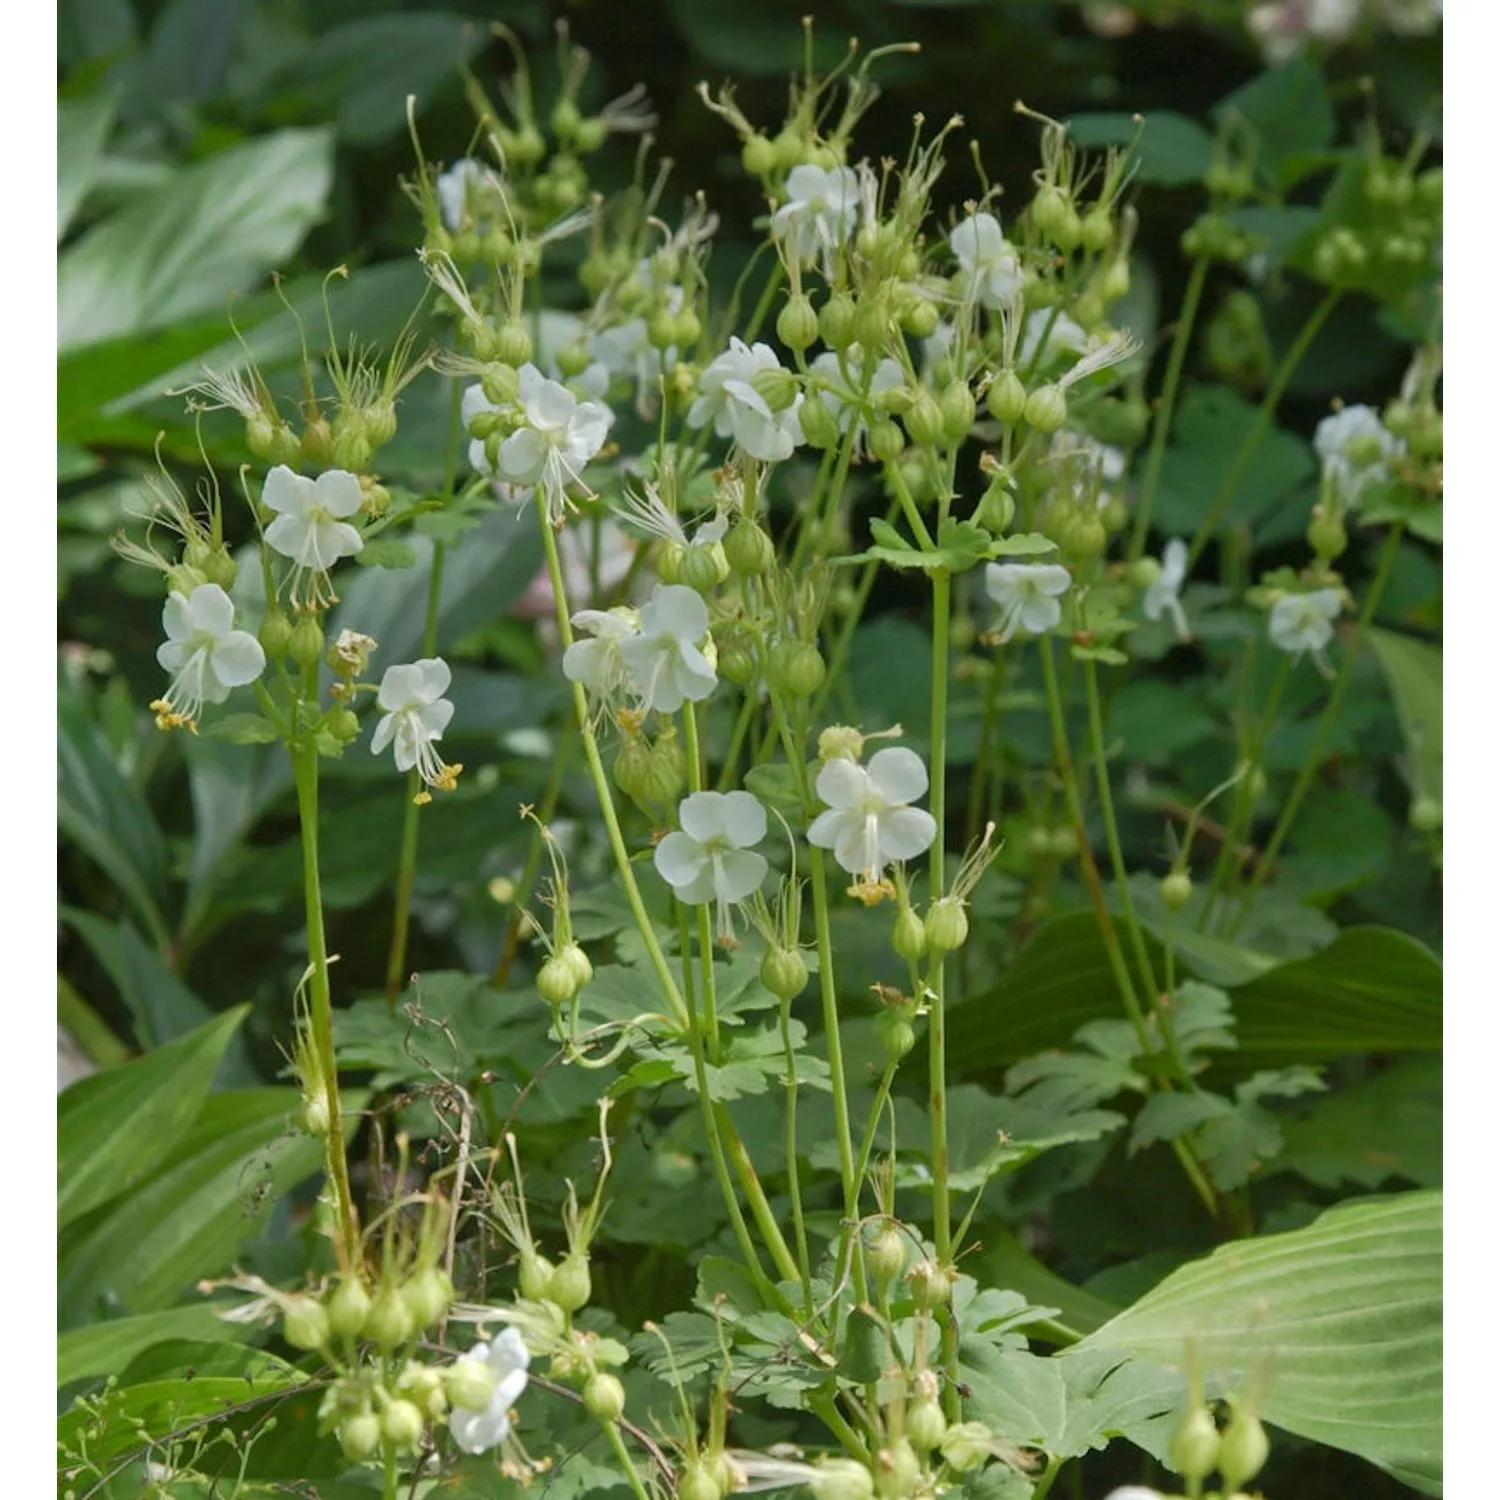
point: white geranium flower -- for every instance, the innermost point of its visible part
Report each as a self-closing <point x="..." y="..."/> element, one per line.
<point x="1304" y="622"/>
<point x="626" y="351"/>
<point x="711" y="858"/>
<point x="310" y="525"/>
<point x="204" y="653"/>
<point x="991" y="266"/>
<point x="667" y="669"/>
<point x="598" y="663"/>
<point x="1162" y="595"/>
<point x="821" y="210"/>
<point x="887" y="376"/>
<point x="561" y="434"/>
<point x="868" y="823"/>
<point x="1095" y="467"/>
<point x="416" y="714"/>
<point x="1356" y="448"/>
<point x="1028" y="594"/>
<point x="507" y="1358"/>
<point x="738" y="410"/>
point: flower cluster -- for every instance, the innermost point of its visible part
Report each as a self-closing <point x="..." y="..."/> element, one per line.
<point x="730" y="399"/>
<point x="655" y="654"/>
<point x="205" y="654"/>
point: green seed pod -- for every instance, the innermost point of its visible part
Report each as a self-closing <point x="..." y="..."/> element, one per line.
<point x="737" y="665"/>
<point x="791" y="149"/>
<point x="1086" y="537"/>
<point x="1114" y="280"/>
<point x="1046" y="408"/>
<point x="497" y="246"/>
<point x="898" y="1471"/>
<point x="604" y="1397"/>
<point x="536" y="1276"/>
<point x="1088" y="310"/>
<point x="669" y="561"/>
<point x="1097" y="232"/>
<point x="556" y="982"/>
<point x="501" y="384"/>
<point x="631" y="767"/>
<point x="343" y="725"/>
<point x="887" y="442"/>
<point x="872" y="324"/>
<point x="996" y="509"/>
<point x="687" y="329"/>
<point x="924" y="420"/>
<point x="275" y="635"/>
<point x="696" y="1483"/>
<point x="920" y="318"/>
<point x="578" y="961"/>
<point x="439" y="241"/>
<point x="1069" y="230"/>
<point x="423" y="1386"/>
<point x="783" y="971"/>
<point x="947" y="925"/>
<point x="758" y="155"/>
<point x="665" y="773"/>
<point x="1426" y="432"/>
<point x="925" y="1424"/>
<point x="1049" y="209"/>
<point x="389" y="1321"/>
<point x="351" y="448"/>
<point x="1176" y="890"/>
<point x="749" y="550"/>
<point x="469" y="1383"/>
<point x="428" y="1295"/>
<point x="401" y="1422"/>
<point x="1194" y="1448"/>
<point x="1113" y="515"/>
<point x="777" y="387"/>
<point x="897" y="1034"/>
<point x="348" y="1306"/>
<point x="573" y="359"/>
<point x="359" y="1436"/>
<point x="966" y="1445"/>
<point x="797" y="668"/>
<point x="513" y="343"/>
<point x="819" y="425"/>
<point x="1243" y="1448"/>
<point x="1326" y="535"/>
<point x="931" y="1285"/>
<point x="661" y="328"/>
<point x="797" y="323"/>
<point x="305" y="646"/>
<point x="909" y="935"/>
<point x="886" y="1255"/>
<point x="841" y="1479"/>
<point x="958" y="409"/>
<point x="262" y="437"/>
<point x="571" y="1284"/>
<point x="304" y="1323"/>
<point x="836" y="321"/>
<point x="703" y="566"/>
<point x="467" y="246"/>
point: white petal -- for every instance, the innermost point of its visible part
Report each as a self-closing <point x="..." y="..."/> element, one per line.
<point x="400" y="686"/>
<point x="238" y="659"/>
<point x="479" y="1431"/>
<point x="1174" y="560"/>
<point x="1039" y="615"/>
<point x="286" y="492"/>
<point x="906" y="832"/>
<point x="744" y="819"/>
<point x="842" y="784"/>
<point x="210" y="610"/>
<point x="435" y="678"/>
<point x="291" y="535"/>
<point x="694" y="678"/>
<point x="740" y="873"/>
<point x="702" y="815"/>
<point x="827" y="828"/>
<point x="677" y="611"/>
<point x="898" y="775"/>
<point x="680" y="860"/>
<point x="337" y="491"/>
<point x="435" y="718"/>
<point x="523" y="456"/>
<point x="507" y="1354"/>
<point x="474" y="402"/>
<point x="176" y="619"/>
<point x="383" y="732"/>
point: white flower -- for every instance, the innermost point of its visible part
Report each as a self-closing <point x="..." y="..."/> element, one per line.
<point x="711" y="858"/>
<point x="561" y="434"/>
<point x="1028" y="595"/>
<point x="1094" y="464"/>
<point x="1063" y="336"/>
<point x="204" y="653"/>
<point x="1162" y="594"/>
<point x="507" y="1358"/>
<point x="1356" y="448"/>
<point x="1135" y="1492"/>
<point x="868" y="823"/>
<point x="416" y="714"/>
<point x="991" y="267"/>
<point x="831" y="367"/>
<point x="651" y="513"/>
<point x="598" y="663"/>
<point x="310" y="527"/>
<point x="666" y="666"/>
<point x="1304" y="622"/>
<point x="459" y="187"/>
<point x="738" y="410"/>
<point x="821" y="210"/>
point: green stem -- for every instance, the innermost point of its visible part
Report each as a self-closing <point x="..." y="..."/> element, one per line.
<point x="631" y="1473"/>
<point x="1313" y="759"/>
<point x="942" y="1231"/>
<point x="1166" y="406"/>
<point x="1260" y="426"/>
<point x="793" y="1175"/>
<point x="305" y="771"/>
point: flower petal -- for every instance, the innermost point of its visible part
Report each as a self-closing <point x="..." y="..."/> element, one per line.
<point x="399" y="687"/>
<point x="906" y="832"/>
<point x="744" y="819"/>
<point x="678" y="611"/>
<point x="740" y="872"/>
<point x="286" y="492"/>
<point x="842" y="784"/>
<point x="176" y="619"/>
<point x="238" y="659"/>
<point x="702" y="815"/>
<point x="680" y="860"/>
<point x="210" y="610"/>
<point x="523" y="456"/>
<point x="898" y="775"/>
<point x="337" y="491"/>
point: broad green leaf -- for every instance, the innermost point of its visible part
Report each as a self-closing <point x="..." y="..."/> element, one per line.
<point x="190" y="50"/>
<point x="217" y="227"/>
<point x="1344" y="1319"/>
<point x="82" y="128"/>
<point x="1289" y="112"/>
<point x="189" y="1219"/>
<point x="1414" y="670"/>
<point x="114" y="1127"/>
<point x="108" y="1348"/>
<point x="1173" y="149"/>
<point x="108" y="818"/>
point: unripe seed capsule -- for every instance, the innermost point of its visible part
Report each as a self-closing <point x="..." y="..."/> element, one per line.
<point x="1176" y="890"/>
<point x="696" y="1483"/>
<point x="1006" y="398"/>
<point x="947" y="925"/>
<point x="897" y="1034"/>
<point x="748" y="549"/>
<point x="957" y="404"/>
<point x="1243" y="1449"/>
<point x="1097" y="231"/>
<point x="571" y="1284"/>
<point x="797" y="323"/>
<point x="348" y="1306"/>
<point x="535" y="1280"/>
<point x="513" y="343"/>
<point x="389" y="1321"/>
<point x="1046" y="408"/>
<point x="924" y="420"/>
<point x="703" y="566"/>
<point x="836" y="321"/>
<point x="556" y="983"/>
<point x="797" y="668"/>
<point x="604" y="1397"/>
<point x="305" y="646"/>
<point x="783" y="971"/>
<point x="758" y="156"/>
<point x="921" y="318"/>
<point x="359" y="1436"/>
<point x="428" y="1295"/>
<point x="886" y="1254"/>
<point x="401" y="1422"/>
<point x="304" y="1323"/>
<point x="343" y="725"/>
<point x="897" y="1471"/>
<point x="925" y="1424"/>
<point x="1194" y="1448"/>
<point x="886" y="440"/>
<point x="275" y="635"/>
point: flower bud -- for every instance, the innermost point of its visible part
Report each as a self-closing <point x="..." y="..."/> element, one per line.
<point x="304" y="1323"/>
<point x="909" y="935"/>
<point x="796" y="668"/>
<point x="703" y="566"/>
<point x="513" y="343"/>
<point x="556" y="982"/>
<point x="348" y="1305"/>
<point x="931" y="1285"/>
<point x="737" y="665"/>
<point x="183" y="579"/>
<point x="1097" y="232"/>
<point x="947" y="925"/>
<point x="1049" y="209"/>
<point x="749" y="551"/>
<point x="897" y="1471"/>
<point x="783" y="971"/>
<point x="359" y="1436"/>
<point x="797" y="323"/>
<point x="1194" y="1448"/>
<point x="469" y="1383"/>
<point x="351" y="449"/>
<point x="1326" y="535"/>
<point x="836" y="321"/>
<point x="1046" y="408"/>
<point x="957" y="406"/>
<point x="317" y="441"/>
<point x="1176" y="890"/>
<point x="428" y="1295"/>
<point x="305" y="646"/>
<point x="925" y="1424"/>
<point x="501" y="384"/>
<point x="886" y="440"/>
<point x="423" y="1386"/>
<point x="1086" y="537"/>
<point x="819" y="425"/>
<point x="920" y="318"/>
<point x="924" y="420"/>
<point x="758" y="155"/>
<point x="896" y="1032"/>
<point x="695" y="1482"/>
<point x="841" y="1479"/>
<point x="1426" y="814"/>
<point x="343" y="725"/>
<point x="966" y="1445"/>
<point x="604" y="1397"/>
<point x="571" y="1284"/>
<point x="401" y="1422"/>
<point x="1243" y="1448"/>
<point x="275" y="635"/>
<point x="536" y="1276"/>
<point x="389" y="1321"/>
<point x="777" y="387"/>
